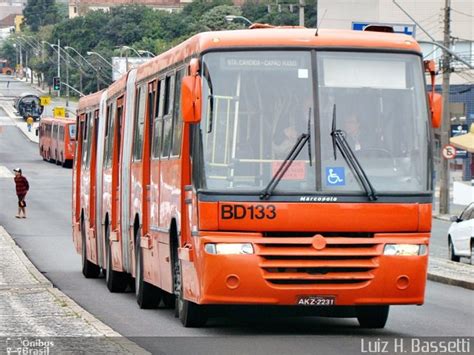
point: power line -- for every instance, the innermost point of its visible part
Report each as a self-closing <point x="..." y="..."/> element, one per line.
<point x="462" y="13"/>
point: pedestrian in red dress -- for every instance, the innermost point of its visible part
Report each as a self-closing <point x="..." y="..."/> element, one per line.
<point x="22" y="187"/>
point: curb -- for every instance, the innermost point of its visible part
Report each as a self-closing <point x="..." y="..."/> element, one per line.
<point x="451" y="273"/>
<point x="110" y="334"/>
<point x="449" y="281"/>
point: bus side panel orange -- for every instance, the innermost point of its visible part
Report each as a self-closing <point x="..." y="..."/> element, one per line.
<point x="425" y="213"/>
<point x="322" y="217"/>
<point x="208" y="215"/>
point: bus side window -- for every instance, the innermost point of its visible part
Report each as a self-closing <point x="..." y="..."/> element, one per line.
<point x="151" y="111"/>
<point x="61" y="133"/>
<point x="138" y="125"/>
<point x="84" y="139"/>
<point x="158" y="120"/>
<point x="177" y="119"/>
<point x="109" y="139"/>
<point x="167" y="117"/>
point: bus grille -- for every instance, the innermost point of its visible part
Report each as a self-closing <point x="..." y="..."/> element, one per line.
<point x="332" y="261"/>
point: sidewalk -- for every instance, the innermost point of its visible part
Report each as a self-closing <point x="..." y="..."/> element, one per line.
<point x="451" y="273"/>
<point x="20" y="122"/>
<point x="35" y="316"/>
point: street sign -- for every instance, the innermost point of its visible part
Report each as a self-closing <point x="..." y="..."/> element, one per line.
<point x="457" y="130"/>
<point x="449" y="151"/>
<point x="408" y="29"/>
<point x="45" y="100"/>
<point x="59" y="111"/>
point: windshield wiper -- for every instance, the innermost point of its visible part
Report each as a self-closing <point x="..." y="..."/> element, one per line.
<point x="339" y="141"/>
<point x="295" y="150"/>
<point x="309" y="136"/>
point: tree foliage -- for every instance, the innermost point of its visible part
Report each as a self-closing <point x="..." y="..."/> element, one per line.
<point x="40" y="13"/>
<point x="136" y="26"/>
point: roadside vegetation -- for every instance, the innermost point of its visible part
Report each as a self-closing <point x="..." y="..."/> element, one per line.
<point x="139" y="27"/>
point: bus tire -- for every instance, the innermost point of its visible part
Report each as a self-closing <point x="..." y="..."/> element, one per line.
<point x="191" y="314"/>
<point x="374" y="317"/>
<point x="89" y="269"/>
<point x="116" y="281"/>
<point x="168" y="299"/>
<point x="148" y="296"/>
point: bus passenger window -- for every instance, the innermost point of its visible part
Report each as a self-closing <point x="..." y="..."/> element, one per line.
<point x="167" y="117"/>
<point x="158" y="122"/>
<point x="139" y="122"/>
<point x="177" y="119"/>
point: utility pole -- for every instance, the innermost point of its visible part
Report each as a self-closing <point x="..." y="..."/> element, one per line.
<point x="67" y="86"/>
<point x="301" y="12"/>
<point x="445" y="127"/>
<point x="59" y="66"/>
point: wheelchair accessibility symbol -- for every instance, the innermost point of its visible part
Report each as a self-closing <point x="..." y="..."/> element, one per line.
<point x="335" y="176"/>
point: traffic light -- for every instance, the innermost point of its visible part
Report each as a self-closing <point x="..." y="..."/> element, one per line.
<point x="56" y="83"/>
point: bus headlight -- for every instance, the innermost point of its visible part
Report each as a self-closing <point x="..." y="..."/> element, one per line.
<point x="404" y="249"/>
<point x="229" y="248"/>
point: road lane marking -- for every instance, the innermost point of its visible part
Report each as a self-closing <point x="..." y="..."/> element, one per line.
<point x="5" y="172"/>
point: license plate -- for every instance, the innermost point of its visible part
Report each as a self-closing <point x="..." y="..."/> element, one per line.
<point x="316" y="301"/>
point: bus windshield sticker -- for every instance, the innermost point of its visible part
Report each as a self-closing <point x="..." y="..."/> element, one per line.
<point x="335" y="176"/>
<point x="303" y="74"/>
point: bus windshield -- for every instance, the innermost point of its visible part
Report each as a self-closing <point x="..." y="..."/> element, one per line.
<point x="258" y="104"/>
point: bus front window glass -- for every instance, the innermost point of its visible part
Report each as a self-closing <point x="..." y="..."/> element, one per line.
<point x="378" y="102"/>
<point x="257" y="106"/>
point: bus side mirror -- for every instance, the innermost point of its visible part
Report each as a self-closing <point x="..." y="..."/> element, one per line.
<point x="191" y="94"/>
<point x="37" y="132"/>
<point x="436" y="108"/>
<point x="435" y="100"/>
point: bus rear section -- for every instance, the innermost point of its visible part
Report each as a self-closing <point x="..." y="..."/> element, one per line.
<point x="57" y="140"/>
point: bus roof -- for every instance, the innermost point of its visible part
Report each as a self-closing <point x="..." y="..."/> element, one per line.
<point x="66" y="120"/>
<point x="277" y="37"/>
<point x="89" y="100"/>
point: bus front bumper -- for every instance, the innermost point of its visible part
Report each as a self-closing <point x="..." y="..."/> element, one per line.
<point x="285" y="271"/>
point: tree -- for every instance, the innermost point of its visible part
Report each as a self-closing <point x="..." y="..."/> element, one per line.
<point x="215" y="20"/>
<point x="40" y="13"/>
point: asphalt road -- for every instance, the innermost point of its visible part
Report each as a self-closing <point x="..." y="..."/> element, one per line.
<point x="11" y="88"/>
<point x="45" y="236"/>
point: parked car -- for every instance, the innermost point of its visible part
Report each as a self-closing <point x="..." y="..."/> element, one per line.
<point x="461" y="235"/>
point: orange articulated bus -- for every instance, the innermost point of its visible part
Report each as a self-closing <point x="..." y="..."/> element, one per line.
<point x="57" y="138"/>
<point x="262" y="167"/>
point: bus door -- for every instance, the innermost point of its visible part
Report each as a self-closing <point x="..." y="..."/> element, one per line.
<point x="54" y="142"/>
<point x="156" y="130"/>
<point x="92" y="159"/>
<point x="76" y="178"/>
<point x="116" y="166"/>
<point x="149" y="192"/>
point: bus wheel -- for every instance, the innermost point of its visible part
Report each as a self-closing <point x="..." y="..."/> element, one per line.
<point x="116" y="281"/>
<point x="57" y="160"/>
<point x="89" y="269"/>
<point x="372" y="316"/>
<point x="168" y="299"/>
<point x="148" y="296"/>
<point x="191" y="314"/>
